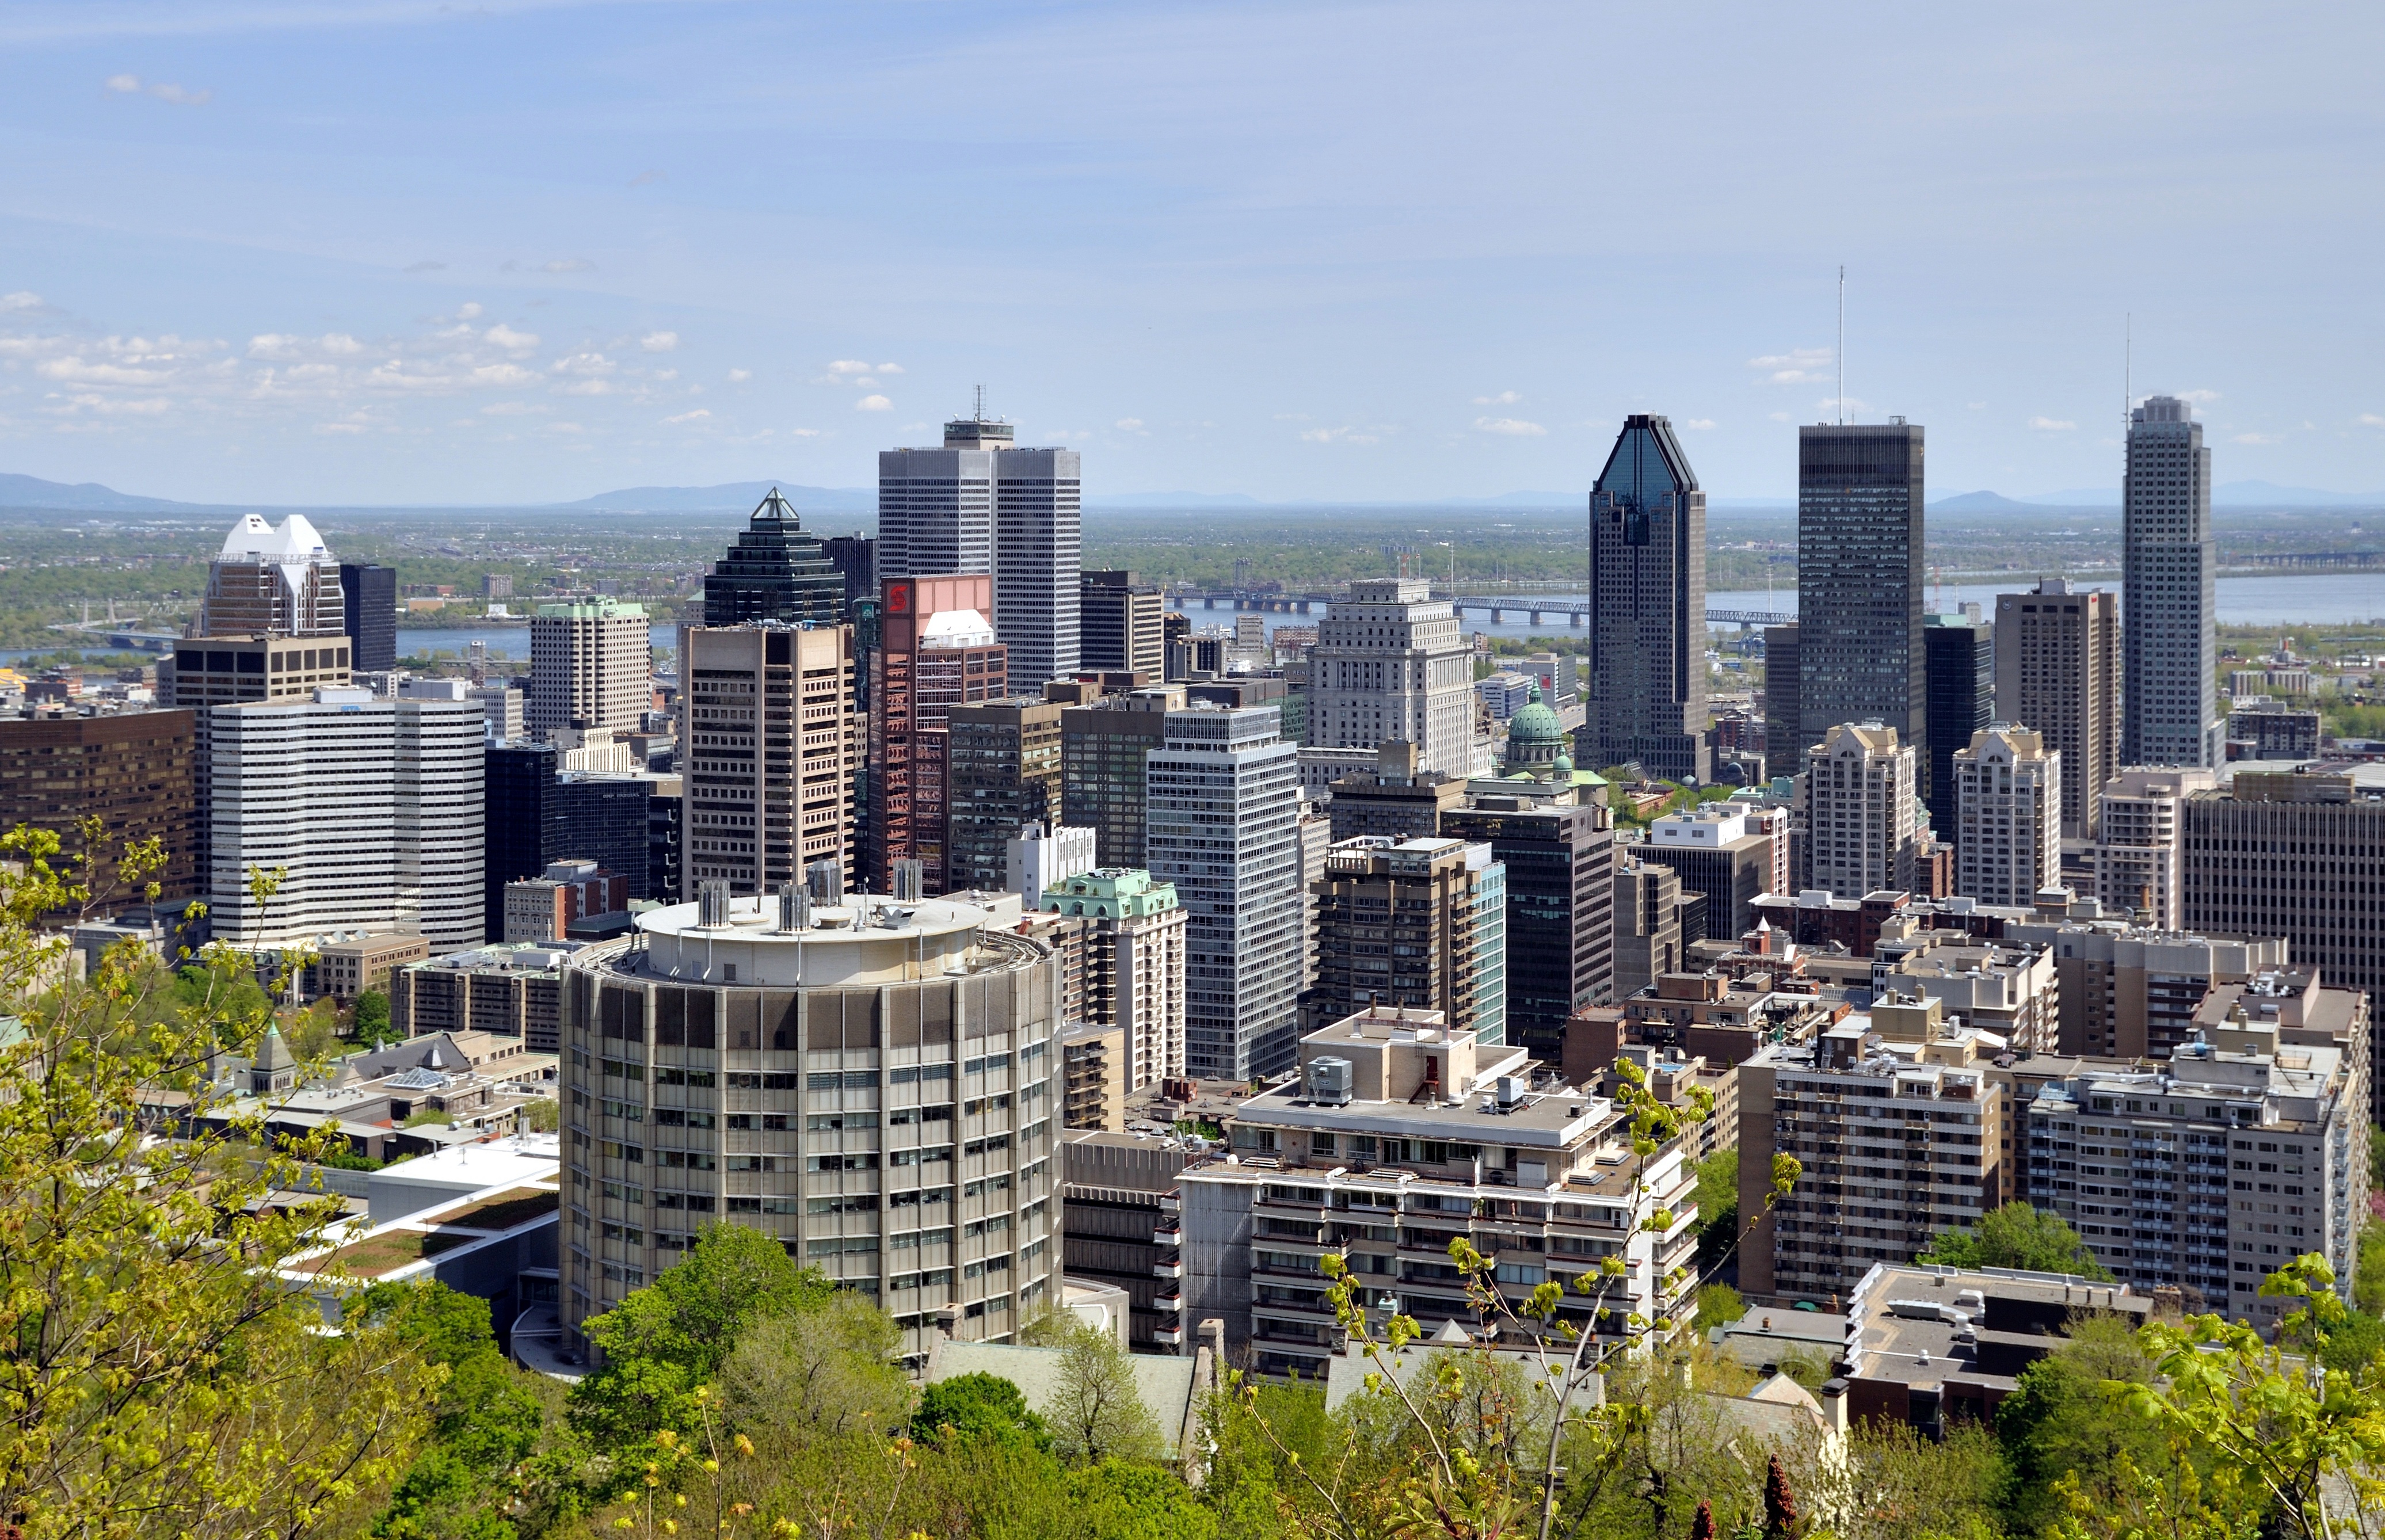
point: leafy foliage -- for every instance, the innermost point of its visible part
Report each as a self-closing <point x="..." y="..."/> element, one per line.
<point x="2017" y="1236"/>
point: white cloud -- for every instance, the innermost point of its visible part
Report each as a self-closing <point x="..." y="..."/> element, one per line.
<point x="1130" y="425"/>
<point x="585" y="364"/>
<point x="1336" y="435"/>
<point x="565" y="428"/>
<point x="1778" y="417"/>
<point x="339" y="427"/>
<point x="659" y="342"/>
<point x="180" y="97"/>
<point x="646" y="178"/>
<point x="1292" y="416"/>
<point x="804" y="432"/>
<point x="569" y="264"/>
<point x="1699" y="423"/>
<point x="112" y="405"/>
<point x="467" y="311"/>
<point x="342" y="344"/>
<point x="739" y="376"/>
<point x="1510" y="427"/>
<point x="695" y="416"/>
<point x="274" y="345"/>
<point x="74" y="370"/>
<point x="586" y="387"/>
<point x="2370" y="419"/>
<point x="2260" y="438"/>
<point x="1799" y="366"/>
<point x="873" y="404"/>
<point x="851" y="366"/>
<point x="2052" y="425"/>
<point x="666" y="374"/>
<point x="511" y="409"/>
<point x="2201" y="398"/>
<point x="127" y="84"/>
<point x="23" y="299"/>
<point x="890" y="368"/>
<point x="502" y="335"/>
<point x="1505" y="398"/>
<point x="504" y="374"/>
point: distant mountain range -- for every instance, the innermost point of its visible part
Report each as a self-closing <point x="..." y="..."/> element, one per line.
<point x="32" y="492"/>
<point x="727" y="497"/>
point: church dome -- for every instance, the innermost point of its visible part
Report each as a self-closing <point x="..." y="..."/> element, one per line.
<point x="1535" y="737"/>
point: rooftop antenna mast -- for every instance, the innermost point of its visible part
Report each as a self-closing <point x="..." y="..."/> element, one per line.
<point x="1842" y="344"/>
<point x="980" y="409"/>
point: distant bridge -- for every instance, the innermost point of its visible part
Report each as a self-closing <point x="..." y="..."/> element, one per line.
<point x="1498" y="608"/>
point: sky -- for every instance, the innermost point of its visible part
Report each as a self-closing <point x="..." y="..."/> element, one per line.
<point x="392" y="252"/>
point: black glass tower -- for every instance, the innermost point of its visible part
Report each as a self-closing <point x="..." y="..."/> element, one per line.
<point x="856" y="558"/>
<point x="1648" y="607"/>
<point x="775" y="571"/>
<point x="1960" y="659"/>
<point x="369" y="592"/>
<point x="537" y="813"/>
<point x="1859" y="652"/>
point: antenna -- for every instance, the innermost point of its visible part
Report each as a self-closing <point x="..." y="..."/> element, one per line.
<point x="979" y="410"/>
<point x="1842" y="344"/>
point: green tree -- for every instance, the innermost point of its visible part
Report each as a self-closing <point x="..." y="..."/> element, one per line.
<point x="2017" y="1236"/>
<point x="1718" y="1305"/>
<point x="977" y="1405"/>
<point x="1717" y="1209"/>
<point x="1097" y="1414"/>
<point x="829" y="1369"/>
<point x="372" y="1024"/>
<point x="2061" y="1420"/>
<point x="1116" y="1500"/>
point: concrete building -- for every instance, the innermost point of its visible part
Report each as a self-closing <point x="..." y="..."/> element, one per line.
<point x="344" y="969"/>
<point x="372" y="808"/>
<point x="1860" y="656"/>
<point x="1900" y="1124"/>
<point x="274" y="581"/>
<point x="1396" y="925"/>
<point x="135" y="772"/>
<point x="936" y="650"/>
<point x="775" y="571"/>
<point x="1647" y="699"/>
<point x="566" y="895"/>
<point x="504" y="706"/>
<point x="1001" y="774"/>
<point x="1866" y="828"/>
<point x="591" y="666"/>
<point x="2208" y="1172"/>
<point x="1117" y="1193"/>
<point x="978" y="504"/>
<point x="2169" y="561"/>
<point x="873" y="1087"/>
<point x="2058" y="671"/>
<point x="2261" y="727"/>
<point x="1136" y="949"/>
<point x="2295" y="855"/>
<point x="509" y="989"/>
<point x="2137" y="834"/>
<point x="1223" y="816"/>
<point x="2012" y="988"/>
<point x="1394" y="799"/>
<point x="1958" y="660"/>
<point x="1561" y="934"/>
<point x="1392" y="662"/>
<point x="1040" y="857"/>
<point x="771" y="748"/>
<point x="1647" y="920"/>
<point x="1102" y="747"/>
<point x="1093" y="1072"/>
<point x="1729" y="851"/>
<point x="1398" y="1136"/>
<point x="2130" y="991"/>
<point x="2008" y="788"/>
<point x="369" y="614"/>
<point x="217" y="671"/>
<point x="1120" y="615"/>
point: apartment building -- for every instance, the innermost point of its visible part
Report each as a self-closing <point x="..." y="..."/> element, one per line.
<point x="2131" y="991"/>
<point x="1135" y="946"/>
<point x="2137" y="834"/>
<point x="771" y="749"/>
<point x="1865" y="827"/>
<point x="2008" y="794"/>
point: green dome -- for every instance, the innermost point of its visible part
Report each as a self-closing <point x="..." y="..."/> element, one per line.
<point x="1535" y="737"/>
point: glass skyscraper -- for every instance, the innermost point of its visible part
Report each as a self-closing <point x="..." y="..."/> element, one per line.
<point x="1859" y="647"/>
<point x="775" y="571"/>
<point x="1648" y="607"/>
<point x="2168" y="712"/>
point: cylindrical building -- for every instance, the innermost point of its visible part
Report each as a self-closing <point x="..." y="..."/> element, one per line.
<point x="873" y="1082"/>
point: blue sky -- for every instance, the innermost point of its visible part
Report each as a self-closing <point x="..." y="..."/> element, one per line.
<point x="388" y="252"/>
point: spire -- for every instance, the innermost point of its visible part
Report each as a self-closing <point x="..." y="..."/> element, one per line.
<point x="777" y="508"/>
<point x="274" y="1053"/>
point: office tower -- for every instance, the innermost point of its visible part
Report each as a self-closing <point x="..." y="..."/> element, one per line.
<point x="2299" y="855"/>
<point x="1393" y="1108"/>
<point x="767" y="798"/>
<point x="1038" y="858"/>
<point x="1784" y="723"/>
<point x="1859" y="649"/>
<point x="1395" y="925"/>
<point x="1648" y="607"/>
<point x="217" y="671"/>
<point x="1647" y="920"/>
<point x="666" y="858"/>
<point x="1102" y="786"/>
<point x="547" y="907"/>
<point x="1136" y="944"/>
<point x="854" y="557"/>
<point x="2154" y="1145"/>
<point x="1001" y="774"/>
<point x="2137" y="843"/>
<point x="1394" y="799"/>
<point x="2168" y="563"/>
<point x="979" y="504"/>
<point x="2008" y="796"/>
<point x="369" y="614"/>
<point x="135" y="772"/>
<point x="1725" y="851"/>
<point x="1392" y="662"/>
<point x="270" y="582"/>
<point x="2262" y="728"/>
<point x="591" y="666"/>
<point x="1222" y="806"/>
<point x="1559" y="856"/>
<point x="775" y="571"/>
<point x="1958" y="656"/>
<point x="1120" y="615"/>
<point x="2058" y="671"/>
<point x="936" y="650"/>
<point x="1866" y="827"/>
<point x="540" y="813"/>
<point x="876" y="1091"/>
<point x="372" y="808"/>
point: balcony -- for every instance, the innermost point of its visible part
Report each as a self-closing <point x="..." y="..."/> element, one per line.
<point x="1169" y="1233"/>
<point x="1172" y="1268"/>
<point x="1172" y="1304"/>
<point x="1169" y="1337"/>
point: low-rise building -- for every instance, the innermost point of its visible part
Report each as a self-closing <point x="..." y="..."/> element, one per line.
<point x="509" y="989"/>
<point x="2131" y="992"/>
<point x="1732" y="852"/>
<point x="569" y="900"/>
<point x="345" y="969"/>
<point x="1094" y="1058"/>
<point x="1120" y="1225"/>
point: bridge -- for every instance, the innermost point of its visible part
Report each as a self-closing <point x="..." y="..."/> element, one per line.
<point x="1497" y="607"/>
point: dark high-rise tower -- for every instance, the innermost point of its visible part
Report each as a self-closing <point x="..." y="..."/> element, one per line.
<point x="856" y="558"/>
<point x="369" y="594"/>
<point x="1960" y="661"/>
<point x="1859" y="650"/>
<point x="1648" y="607"/>
<point x="775" y="571"/>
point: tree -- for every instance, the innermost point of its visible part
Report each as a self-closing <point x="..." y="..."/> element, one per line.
<point x="372" y="1024"/>
<point x="825" y="1371"/>
<point x="2017" y="1236"/>
<point x="1097" y="1412"/>
<point x="1115" y="1500"/>
<point x="1780" y="1503"/>
<point x="1718" y="1305"/>
<point x="977" y="1405"/>
<point x="157" y="1374"/>
<point x="1717" y="1209"/>
<point x="2062" y="1422"/>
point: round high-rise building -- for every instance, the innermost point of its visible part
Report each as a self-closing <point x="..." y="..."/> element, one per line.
<point x="874" y="1083"/>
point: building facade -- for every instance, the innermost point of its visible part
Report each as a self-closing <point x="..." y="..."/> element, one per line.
<point x="775" y="571"/>
<point x="1867" y="829"/>
<point x="274" y="581"/>
<point x="1119" y="618"/>
<point x="2131" y="991"/>
<point x="771" y="747"/>
<point x="1135" y="957"/>
<point x="136" y="772"/>
<point x="1395" y="925"/>
<point x="2169" y="561"/>
<point x="1392" y="662"/>
<point x="539" y="814"/>
<point x="591" y="667"/>
<point x="1958" y="656"/>
<point x="1003" y="774"/>
<point x="2008" y="788"/>
<point x="1648" y="607"/>
<point x="936" y="650"/>
<point x="2137" y="835"/>
<point x="369" y="614"/>
<point x="1860" y="656"/>
<point x="1102" y="785"/>
<point x="1558" y="860"/>
<point x="2058" y="671"/>
<point x="1728" y="851"/>
<point x="544" y="907"/>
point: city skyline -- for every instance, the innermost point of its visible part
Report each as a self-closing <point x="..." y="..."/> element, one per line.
<point x="255" y="257"/>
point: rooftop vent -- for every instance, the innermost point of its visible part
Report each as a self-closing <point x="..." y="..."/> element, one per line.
<point x="712" y="902"/>
<point x="906" y="880"/>
<point x="826" y="880"/>
<point x="1327" y="1081"/>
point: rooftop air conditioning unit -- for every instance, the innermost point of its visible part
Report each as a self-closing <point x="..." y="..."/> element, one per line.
<point x="1327" y="1081"/>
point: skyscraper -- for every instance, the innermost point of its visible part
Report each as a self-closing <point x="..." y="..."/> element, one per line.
<point x="369" y="613"/>
<point x="1223" y="800"/>
<point x="1784" y="723"/>
<point x="978" y="504"/>
<point x="2008" y="795"/>
<point x="764" y="799"/>
<point x="775" y="571"/>
<point x="854" y="557"/>
<point x="273" y="582"/>
<point x="1003" y="773"/>
<point x="1120" y="615"/>
<point x="2167" y="567"/>
<point x="1859" y="647"/>
<point x="1867" y="829"/>
<point x="591" y="667"/>
<point x="1958" y="655"/>
<point x="2057" y="671"/>
<point x="1390" y="661"/>
<point x="539" y="813"/>
<point x="1559" y="856"/>
<point x="1101" y="747"/>
<point x="1396" y="925"/>
<point x="1648" y="607"/>
<point x="936" y="650"/>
